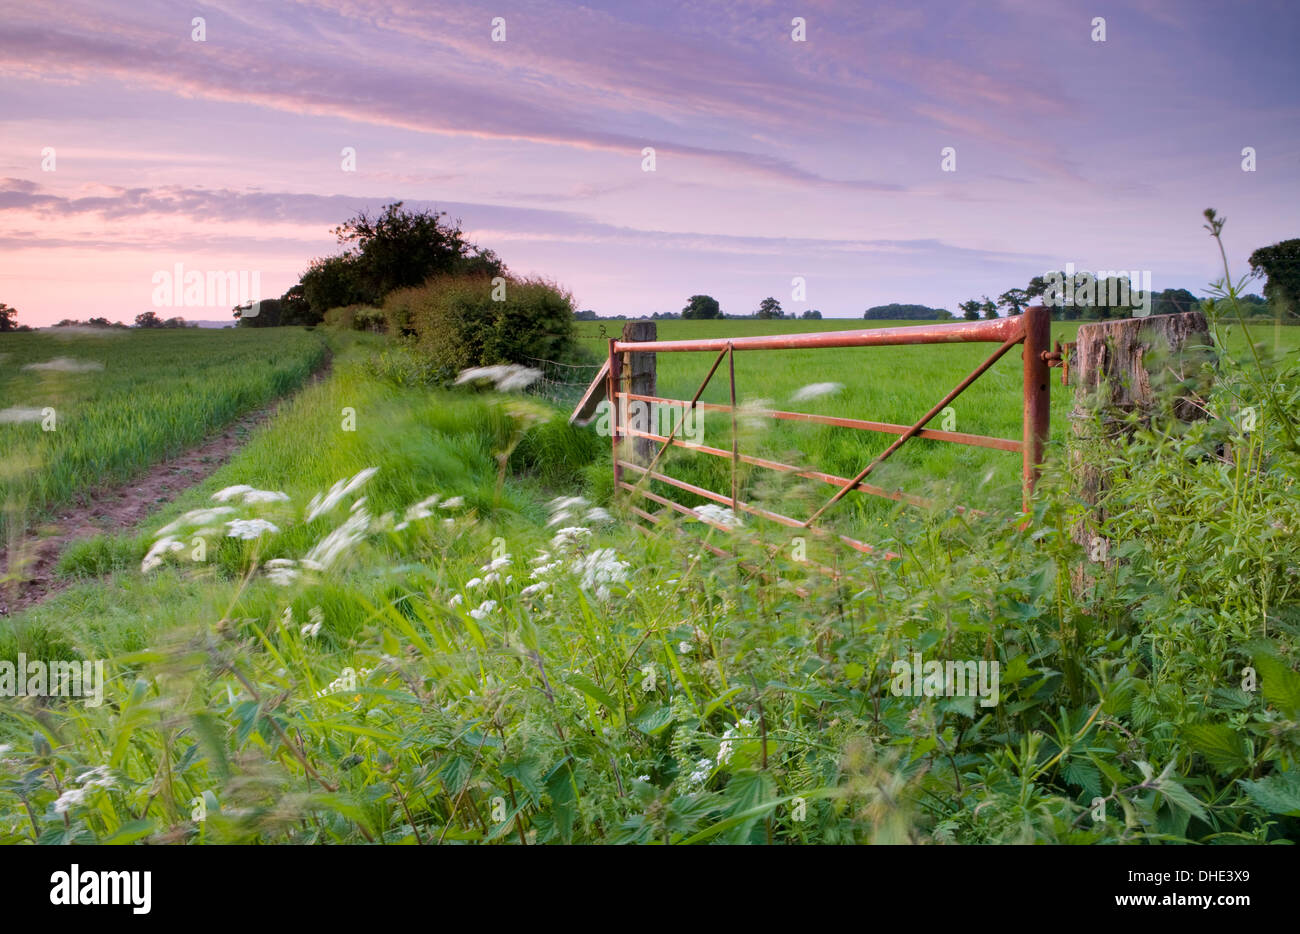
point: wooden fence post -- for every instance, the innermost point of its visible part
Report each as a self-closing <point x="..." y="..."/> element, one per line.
<point x="639" y="372"/>
<point x="1119" y="368"/>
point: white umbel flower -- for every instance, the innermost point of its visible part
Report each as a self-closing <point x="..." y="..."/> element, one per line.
<point x="196" y="517"/>
<point x="265" y="496"/>
<point x="718" y="515"/>
<point x="570" y="537"/>
<point x="815" y="390"/>
<point x="17" y="414"/>
<point x="249" y="529"/>
<point x="161" y="548"/>
<point x="328" y="550"/>
<point x="66" y="365"/>
<point x="599" y="570"/>
<point x="506" y="377"/>
<point x="231" y="492"/>
<point x="323" y="503"/>
<point x="281" y="571"/>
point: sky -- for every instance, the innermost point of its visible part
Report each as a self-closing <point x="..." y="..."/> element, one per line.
<point x="799" y="139"/>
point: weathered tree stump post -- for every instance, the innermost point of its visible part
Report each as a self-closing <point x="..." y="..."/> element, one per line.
<point x="1121" y="368"/>
<point x="639" y="374"/>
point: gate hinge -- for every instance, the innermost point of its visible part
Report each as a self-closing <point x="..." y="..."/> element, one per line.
<point x="1059" y="355"/>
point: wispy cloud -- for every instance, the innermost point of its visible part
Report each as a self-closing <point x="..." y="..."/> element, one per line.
<point x="774" y="158"/>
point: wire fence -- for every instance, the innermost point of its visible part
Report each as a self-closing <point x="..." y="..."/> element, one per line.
<point x="562" y="383"/>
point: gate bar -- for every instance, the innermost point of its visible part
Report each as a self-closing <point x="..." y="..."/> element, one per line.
<point x="989" y="332"/>
<point x="687" y="511"/>
<point x="767" y="546"/>
<point x="805" y="472"/>
<point x="888" y="428"/>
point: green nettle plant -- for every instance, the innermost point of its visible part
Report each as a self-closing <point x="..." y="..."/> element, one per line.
<point x="467" y="674"/>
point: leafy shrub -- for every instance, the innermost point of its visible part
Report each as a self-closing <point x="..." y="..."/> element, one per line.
<point x="355" y="318"/>
<point x="461" y="322"/>
<point x="397" y="311"/>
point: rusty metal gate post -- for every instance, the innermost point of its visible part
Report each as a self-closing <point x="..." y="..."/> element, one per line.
<point x="1037" y="323"/>
<point x="613" y="378"/>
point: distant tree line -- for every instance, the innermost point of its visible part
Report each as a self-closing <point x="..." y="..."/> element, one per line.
<point x="897" y="312"/>
<point x="9" y="322"/>
<point x="151" y="320"/>
<point x="1082" y="296"/>
<point x="702" y="307"/>
<point x="146" y="320"/>
<point x="1088" y="296"/>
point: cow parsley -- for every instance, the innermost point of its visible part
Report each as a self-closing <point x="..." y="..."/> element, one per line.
<point x="249" y="529"/>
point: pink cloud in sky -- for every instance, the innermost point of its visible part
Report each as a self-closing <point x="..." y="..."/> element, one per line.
<point x="774" y="158"/>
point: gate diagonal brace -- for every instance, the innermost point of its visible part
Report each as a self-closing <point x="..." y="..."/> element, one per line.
<point x="912" y="432"/>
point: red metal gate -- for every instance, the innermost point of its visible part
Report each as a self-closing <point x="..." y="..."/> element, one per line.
<point x="1032" y="329"/>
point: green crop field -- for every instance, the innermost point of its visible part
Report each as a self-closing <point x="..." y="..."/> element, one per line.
<point x="80" y="408"/>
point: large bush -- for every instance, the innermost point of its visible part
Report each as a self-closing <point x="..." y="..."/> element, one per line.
<point x="462" y="322"/>
<point x="355" y="318"/>
<point x="397" y="308"/>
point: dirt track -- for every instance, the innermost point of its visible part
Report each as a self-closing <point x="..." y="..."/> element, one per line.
<point x="121" y="507"/>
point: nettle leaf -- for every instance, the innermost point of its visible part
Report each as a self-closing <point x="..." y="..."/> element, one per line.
<point x="1015" y="670"/>
<point x="1222" y="746"/>
<point x="1146" y="709"/>
<point x="1233" y="698"/>
<point x="210" y="734"/>
<point x="653" y="718"/>
<point x="527" y="771"/>
<point x="746" y="791"/>
<point x="1133" y="548"/>
<point x="920" y="746"/>
<point x="1278" y="793"/>
<point x="1279" y="684"/>
<point x="1173" y="821"/>
<point x="132" y="831"/>
<point x="564" y="800"/>
<point x="1083" y="774"/>
<point x="687" y="812"/>
<point x="455" y="772"/>
<point x="1180" y="797"/>
<point x="963" y="704"/>
<point x="247" y="713"/>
